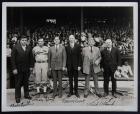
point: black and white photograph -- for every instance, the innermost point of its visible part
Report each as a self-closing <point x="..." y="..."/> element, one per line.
<point x="75" y="56"/>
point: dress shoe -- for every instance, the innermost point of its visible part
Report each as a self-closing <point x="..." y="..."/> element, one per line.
<point x="85" y="96"/>
<point x="114" y="95"/>
<point x="28" y="97"/>
<point x="99" y="95"/>
<point x="45" y="95"/>
<point x="70" y="94"/>
<point x="60" y="96"/>
<point x="17" y="100"/>
<point x="54" y="96"/>
<point x="37" y="95"/>
<point x="77" y="95"/>
<point x="119" y="93"/>
<point x="105" y="94"/>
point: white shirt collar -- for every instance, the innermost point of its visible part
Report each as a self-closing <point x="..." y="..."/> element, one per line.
<point x="57" y="46"/>
<point x="24" y="47"/>
<point x="110" y="48"/>
<point x="72" y="44"/>
<point x="90" y="46"/>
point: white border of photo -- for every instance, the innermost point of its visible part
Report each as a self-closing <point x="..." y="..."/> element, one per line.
<point x="133" y="107"/>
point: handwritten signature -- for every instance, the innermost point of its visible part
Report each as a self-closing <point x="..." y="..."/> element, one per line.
<point x="72" y="101"/>
<point x="22" y="104"/>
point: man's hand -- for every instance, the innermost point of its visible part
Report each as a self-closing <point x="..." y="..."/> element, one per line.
<point x="79" y="68"/>
<point x="63" y="68"/>
<point x="15" y="71"/>
<point x="96" y="62"/>
<point x="118" y="67"/>
<point x="102" y="69"/>
<point x="66" y="69"/>
<point x="31" y="69"/>
<point x="50" y="69"/>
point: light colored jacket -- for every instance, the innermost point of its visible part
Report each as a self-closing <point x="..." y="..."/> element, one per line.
<point x="57" y="60"/>
<point x="95" y="56"/>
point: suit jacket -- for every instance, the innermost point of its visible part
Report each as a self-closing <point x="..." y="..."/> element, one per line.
<point x="74" y="58"/>
<point x="88" y="56"/>
<point x="111" y="59"/>
<point x="57" y="60"/>
<point x="21" y="60"/>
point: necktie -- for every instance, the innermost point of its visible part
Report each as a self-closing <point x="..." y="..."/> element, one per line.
<point x="109" y="50"/>
<point x="91" y="49"/>
<point x="56" y="48"/>
<point x="24" y="48"/>
<point x="71" y="45"/>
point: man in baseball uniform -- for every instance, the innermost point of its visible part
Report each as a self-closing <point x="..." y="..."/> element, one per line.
<point x="41" y="65"/>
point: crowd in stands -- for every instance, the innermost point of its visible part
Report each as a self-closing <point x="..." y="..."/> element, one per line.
<point x="121" y="34"/>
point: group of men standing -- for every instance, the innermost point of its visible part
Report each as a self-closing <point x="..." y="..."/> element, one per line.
<point x="57" y="59"/>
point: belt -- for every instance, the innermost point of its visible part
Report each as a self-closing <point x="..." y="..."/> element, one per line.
<point x="41" y="61"/>
<point x="91" y="64"/>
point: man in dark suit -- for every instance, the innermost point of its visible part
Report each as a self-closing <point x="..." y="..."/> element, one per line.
<point x="57" y="64"/>
<point x="73" y="64"/>
<point x="22" y="64"/>
<point x="110" y="61"/>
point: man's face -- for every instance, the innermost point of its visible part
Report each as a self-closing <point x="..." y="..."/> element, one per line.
<point x="8" y="45"/>
<point x="91" y="42"/>
<point x="126" y="63"/>
<point x="40" y="42"/>
<point x="71" y="39"/>
<point x="23" y="41"/>
<point x="109" y="43"/>
<point x="56" y="40"/>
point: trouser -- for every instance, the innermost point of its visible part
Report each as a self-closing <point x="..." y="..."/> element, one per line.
<point x="87" y="80"/>
<point x="10" y="77"/>
<point x="57" y="75"/>
<point x="41" y="72"/>
<point x="72" y="73"/>
<point x="21" y="79"/>
<point x="107" y="74"/>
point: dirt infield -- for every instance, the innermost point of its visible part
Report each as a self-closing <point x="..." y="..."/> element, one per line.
<point x="124" y="87"/>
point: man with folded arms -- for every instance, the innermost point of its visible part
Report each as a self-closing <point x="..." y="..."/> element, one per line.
<point x="40" y="53"/>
